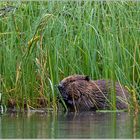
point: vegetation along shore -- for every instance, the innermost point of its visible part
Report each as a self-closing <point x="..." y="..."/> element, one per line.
<point x="43" y="42"/>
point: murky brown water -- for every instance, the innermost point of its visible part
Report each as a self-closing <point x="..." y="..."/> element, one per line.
<point x="59" y="125"/>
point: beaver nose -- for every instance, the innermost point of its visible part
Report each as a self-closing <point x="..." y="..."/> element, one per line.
<point x="60" y="86"/>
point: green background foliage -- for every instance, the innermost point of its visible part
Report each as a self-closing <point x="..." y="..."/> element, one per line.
<point x="43" y="42"/>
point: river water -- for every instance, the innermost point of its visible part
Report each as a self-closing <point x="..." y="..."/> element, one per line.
<point x="71" y="125"/>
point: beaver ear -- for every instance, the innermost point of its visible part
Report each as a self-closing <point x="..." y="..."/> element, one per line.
<point x="87" y="78"/>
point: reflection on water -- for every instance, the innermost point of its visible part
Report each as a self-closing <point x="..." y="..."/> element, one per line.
<point x="59" y="125"/>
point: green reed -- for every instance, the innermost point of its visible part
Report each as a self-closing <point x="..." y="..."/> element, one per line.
<point x="43" y="42"/>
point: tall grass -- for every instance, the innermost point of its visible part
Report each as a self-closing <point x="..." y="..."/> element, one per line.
<point x="43" y="42"/>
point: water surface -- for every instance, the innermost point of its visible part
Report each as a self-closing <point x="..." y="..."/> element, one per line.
<point x="71" y="125"/>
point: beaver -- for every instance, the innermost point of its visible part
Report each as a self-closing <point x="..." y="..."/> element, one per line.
<point x="80" y="94"/>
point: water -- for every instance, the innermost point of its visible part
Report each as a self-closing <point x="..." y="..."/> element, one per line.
<point x="59" y="125"/>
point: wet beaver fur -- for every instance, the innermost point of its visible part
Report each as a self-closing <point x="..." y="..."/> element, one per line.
<point x="80" y="94"/>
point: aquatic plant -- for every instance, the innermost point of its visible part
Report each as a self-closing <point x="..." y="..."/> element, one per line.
<point x="3" y="108"/>
<point x="43" y="42"/>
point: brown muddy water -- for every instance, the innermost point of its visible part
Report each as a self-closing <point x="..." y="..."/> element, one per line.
<point x="71" y="125"/>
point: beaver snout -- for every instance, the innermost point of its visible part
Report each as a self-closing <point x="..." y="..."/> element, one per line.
<point x="62" y="91"/>
<point x="60" y="87"/>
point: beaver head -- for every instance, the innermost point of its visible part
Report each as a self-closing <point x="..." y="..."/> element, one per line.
<point x="74" y="91"/>
<point x="67" y="82"/>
